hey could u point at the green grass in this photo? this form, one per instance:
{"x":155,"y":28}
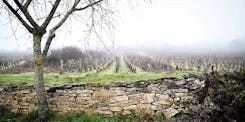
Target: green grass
{"x":68,"y":78}
{"x":111,"y":69}
{"x":123,"y":66}
{"x":20,"y":79}
{"x":8,"y":116}
{"x":82,"y":117}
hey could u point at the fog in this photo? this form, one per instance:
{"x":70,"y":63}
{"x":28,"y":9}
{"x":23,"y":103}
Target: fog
{"x":160,"y":25}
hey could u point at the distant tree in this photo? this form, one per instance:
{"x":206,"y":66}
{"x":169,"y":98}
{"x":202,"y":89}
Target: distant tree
{"x":46,"y":17}
{"x":54,"y":57}
{"x":70,"y":53}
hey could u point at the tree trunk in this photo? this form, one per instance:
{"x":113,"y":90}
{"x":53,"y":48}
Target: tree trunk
{"x":61,"y":66}
{"x":43,"y":110}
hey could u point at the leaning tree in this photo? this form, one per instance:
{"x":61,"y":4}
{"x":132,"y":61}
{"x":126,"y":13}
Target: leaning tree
{"x":43,"y":18}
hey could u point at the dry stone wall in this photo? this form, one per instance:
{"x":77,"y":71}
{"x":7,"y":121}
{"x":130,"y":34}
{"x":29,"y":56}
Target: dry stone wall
{"x":168,"y":97}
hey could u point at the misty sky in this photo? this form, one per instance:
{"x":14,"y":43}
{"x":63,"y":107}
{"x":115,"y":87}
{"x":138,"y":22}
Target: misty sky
{"x":161,"y":24}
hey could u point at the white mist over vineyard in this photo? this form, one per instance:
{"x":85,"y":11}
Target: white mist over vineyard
{"x":163,"y":25}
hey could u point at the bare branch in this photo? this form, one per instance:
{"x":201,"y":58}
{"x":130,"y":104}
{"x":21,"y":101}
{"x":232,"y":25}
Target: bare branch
{"x":71,"y":11}
{"x":27,"y":3}
{"x":27,"y":26}
{"x":47,"y":45}
{"x":26,"y":13}
{"x":51,"y":14}
{"x":89,"y":5}
{"x":61,"y":22}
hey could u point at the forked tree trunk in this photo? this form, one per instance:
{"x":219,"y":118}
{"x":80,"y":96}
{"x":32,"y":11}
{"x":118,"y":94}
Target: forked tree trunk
{"x":43,"y":110}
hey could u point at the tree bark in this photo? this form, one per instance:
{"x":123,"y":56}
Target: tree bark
{"x":43,"y":110}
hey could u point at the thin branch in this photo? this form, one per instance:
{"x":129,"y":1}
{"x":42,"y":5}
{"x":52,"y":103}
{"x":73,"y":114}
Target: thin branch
{"x":71,"y":11}
{"x":27,"y":26}
{"x":62,"y":21}
{"x":26,"y":13}
{"x":14,"y":31}
{"x":51,"y":14}
{"x":27,"y":3}
{"x":89,"y":5}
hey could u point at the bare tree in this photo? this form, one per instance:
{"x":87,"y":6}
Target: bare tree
{"x":43,"y":18}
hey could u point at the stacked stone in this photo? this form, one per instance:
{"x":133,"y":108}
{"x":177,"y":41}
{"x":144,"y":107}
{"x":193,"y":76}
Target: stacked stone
{"x":168,"y":97}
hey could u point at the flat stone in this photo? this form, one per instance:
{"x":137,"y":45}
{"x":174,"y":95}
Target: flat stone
{"x":113,"y":89}
{"x":134,"y":90}
{"x":143,"y":109}
{"x":164,"y":100}
{"x":118,"y":99}
{"x":148,"y":98}
{"x":115,"y":109}
{"x":84,"y":95}
{"x":181,"y":82}
{"x":83,"y":91}
{"x":61,"y":98}
{"x":119,"y":104}
{"x":184,"y":98}
{"x":177,"y":99}
{"x":117,"y":93}
{"x":135,"y":98}
{"x":81,"y":101}
{"x":105,"y":112}
{"x":179,"y":90}
{"x":102,"y":95}
{"x":156,"y":107}
{"x":72,"y":95}
{"x":131,"y":107}
{"x":180,"y":95}
{"x":153,"y":87}
{"x":169,"y":113}
{"x":25,"y":91}
{"x":125,"y":112}
{"x":103,"y":108}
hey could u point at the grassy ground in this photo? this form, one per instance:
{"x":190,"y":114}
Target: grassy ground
{"x":67,"y":78}
{"x":106,"y":76}
{"x":7,"y":116}
{"x":82,"y":117}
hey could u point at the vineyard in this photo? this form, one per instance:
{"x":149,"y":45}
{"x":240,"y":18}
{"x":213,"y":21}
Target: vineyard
{"x":72,"y":65}
{"x":118,"y":83}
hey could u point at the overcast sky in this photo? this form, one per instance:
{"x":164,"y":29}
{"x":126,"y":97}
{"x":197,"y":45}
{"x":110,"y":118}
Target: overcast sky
{"x":162,"y":24}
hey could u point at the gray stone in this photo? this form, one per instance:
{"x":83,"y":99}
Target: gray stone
{"x":179,"y":90}
{"x":195,"y":108}
{"x":197,"y":84}
{"x":180,"y":82}
{"x":2,"y":90}
{"x":163,"y":99}
{"x":83,"y":91}
{"x":169,"y":113}
{"x":117,"y":93}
